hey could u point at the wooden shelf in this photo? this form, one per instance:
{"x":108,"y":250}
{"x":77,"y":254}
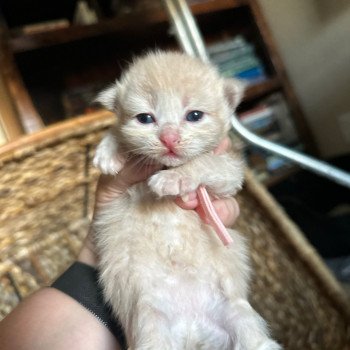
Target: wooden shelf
{"x":25,"y":42}
{"x":211,"y":6}
{"x":262,"y":89}
{"x":21,"y":102}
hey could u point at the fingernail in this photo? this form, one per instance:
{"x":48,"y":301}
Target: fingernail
{"x":185,"y":198}
{"x":190,"y":196}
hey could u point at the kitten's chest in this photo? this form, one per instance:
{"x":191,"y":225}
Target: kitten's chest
{"x":176,"y":235}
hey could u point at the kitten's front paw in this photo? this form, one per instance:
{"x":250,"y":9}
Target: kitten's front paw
{"x":107,"y":163}
{"x":106,"y":157}
{"x":269,"y":345}
{"x":171,"y":183}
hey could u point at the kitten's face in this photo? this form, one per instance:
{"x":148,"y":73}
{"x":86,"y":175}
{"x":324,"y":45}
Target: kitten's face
{"x":172,"y":108}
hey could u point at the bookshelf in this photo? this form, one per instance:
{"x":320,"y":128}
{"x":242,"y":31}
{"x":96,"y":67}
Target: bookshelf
{"x":45,"y":71}
{"x":24,"y":42}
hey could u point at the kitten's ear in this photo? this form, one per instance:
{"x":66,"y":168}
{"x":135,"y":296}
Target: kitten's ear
{"x":234,"y":91}
{"x":109,"y":97}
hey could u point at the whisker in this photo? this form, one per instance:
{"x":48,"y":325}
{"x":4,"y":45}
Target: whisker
{"x":143,"y":163}
{"x":148,"y":148}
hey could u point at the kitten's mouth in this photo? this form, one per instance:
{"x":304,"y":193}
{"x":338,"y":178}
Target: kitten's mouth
{"x":171,"y":154}
{"x":171,"y":158}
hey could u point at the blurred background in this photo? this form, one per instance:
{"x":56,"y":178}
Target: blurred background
{"x":55,"y":56}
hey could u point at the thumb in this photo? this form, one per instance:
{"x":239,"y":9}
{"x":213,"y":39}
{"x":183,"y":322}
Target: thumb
{"x":137,"y":170}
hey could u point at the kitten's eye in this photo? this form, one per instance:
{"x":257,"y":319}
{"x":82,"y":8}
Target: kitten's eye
{"x":145,"y":118}
{"x":194,"y":116}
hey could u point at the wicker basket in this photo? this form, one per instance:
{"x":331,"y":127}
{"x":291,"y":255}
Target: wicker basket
{"x":46,"y":191}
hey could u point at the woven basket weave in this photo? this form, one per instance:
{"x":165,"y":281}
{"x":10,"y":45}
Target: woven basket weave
{"x":46,"y":192}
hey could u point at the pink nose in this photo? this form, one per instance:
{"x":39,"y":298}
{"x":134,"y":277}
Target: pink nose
{"x":169,"y":138}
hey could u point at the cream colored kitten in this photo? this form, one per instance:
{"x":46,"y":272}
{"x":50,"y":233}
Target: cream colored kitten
{"x":170,"y":280}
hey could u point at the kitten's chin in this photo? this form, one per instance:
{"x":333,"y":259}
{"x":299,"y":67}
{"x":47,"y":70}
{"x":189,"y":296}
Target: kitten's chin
{"x":171,"y":160}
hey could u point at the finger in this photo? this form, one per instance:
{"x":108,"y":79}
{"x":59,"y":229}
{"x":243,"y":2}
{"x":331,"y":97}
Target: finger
{"x":200,"y":211}
{"x":224,"y":146}
{"x":188,"y":201}
{"x":134,"y":171}
{"x":107,"y":187}
{"x":88,"y":254}
{"x":110,"y":187}
{"x":227,"y":210}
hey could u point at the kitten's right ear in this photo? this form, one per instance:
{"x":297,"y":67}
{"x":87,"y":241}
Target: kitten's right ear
{"x":234,"y":91}
{"x":108,"y":97}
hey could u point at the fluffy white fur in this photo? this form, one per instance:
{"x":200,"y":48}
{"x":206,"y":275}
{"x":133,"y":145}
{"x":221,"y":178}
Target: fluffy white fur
{"x":170,"y":281}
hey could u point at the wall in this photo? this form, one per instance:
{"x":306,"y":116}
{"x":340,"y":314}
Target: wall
{"x":313,"y":37}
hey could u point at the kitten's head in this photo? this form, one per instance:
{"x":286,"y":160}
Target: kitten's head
{"x":171,"y":107}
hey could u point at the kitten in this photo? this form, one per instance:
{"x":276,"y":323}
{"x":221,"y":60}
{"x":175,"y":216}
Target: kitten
{"x":169,"y":279}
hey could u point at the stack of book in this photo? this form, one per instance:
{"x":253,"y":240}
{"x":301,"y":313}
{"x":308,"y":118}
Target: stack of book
{"x":270,"y":119}
{"x":237,"y":58}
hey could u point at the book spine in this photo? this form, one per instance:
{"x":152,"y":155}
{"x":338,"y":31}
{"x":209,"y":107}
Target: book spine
{"x":235,"y":43}
{"x":235,"y":54}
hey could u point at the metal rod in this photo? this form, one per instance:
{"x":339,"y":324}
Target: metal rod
{"x":306,"y":162}
{"x":179,"y":28}
{"x":192,"y":29}
{"x":189,"y":37}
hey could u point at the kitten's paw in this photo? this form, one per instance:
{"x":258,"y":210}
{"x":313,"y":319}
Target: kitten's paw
{"x":108,"y":164}
{"x":171,"y":183}
{"x":269,"y":345}
{"x":106,"y":157}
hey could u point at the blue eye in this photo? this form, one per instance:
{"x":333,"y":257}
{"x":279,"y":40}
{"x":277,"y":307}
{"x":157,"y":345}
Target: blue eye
{"x":145,"y":118}
{"x":194,"y":116}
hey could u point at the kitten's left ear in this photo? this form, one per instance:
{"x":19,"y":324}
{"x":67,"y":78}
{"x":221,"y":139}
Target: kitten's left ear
{"x":108,"y":97}
{"x":234,"y":91}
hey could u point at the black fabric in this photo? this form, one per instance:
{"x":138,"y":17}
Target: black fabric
{"x":319,"y":207}
{"x":80,"y":282}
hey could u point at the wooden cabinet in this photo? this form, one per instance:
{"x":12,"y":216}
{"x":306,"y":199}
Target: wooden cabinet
{"x":48,"y":74}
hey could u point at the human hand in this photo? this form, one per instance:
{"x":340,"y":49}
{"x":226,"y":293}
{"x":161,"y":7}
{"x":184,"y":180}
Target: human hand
{"x":226,"y":208}
{"x":109,"y":188}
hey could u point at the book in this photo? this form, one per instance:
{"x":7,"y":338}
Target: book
{"x":259,"y":111}
{"x":270,"y":119}
{"x":243,"y":64}
{"x":226,"y":56}
{"x":84,"y":14}
{"x":252,"y":76}
{"x":46,"y":26}
{"x":270,"y":116}
{"x":226,"y":45}
{"x":236,"y":57}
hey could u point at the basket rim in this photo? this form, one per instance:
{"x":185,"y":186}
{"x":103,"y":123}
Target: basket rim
{"x":25,"y":145}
